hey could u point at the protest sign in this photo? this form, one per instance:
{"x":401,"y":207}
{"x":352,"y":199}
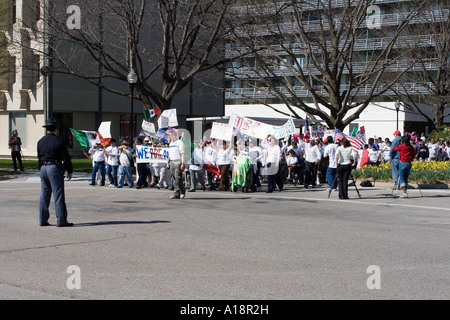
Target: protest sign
{"x":250,"y":127}
{"x":318,"y":131}
{"x":285,"y":130}
{"x":149,"y":128}
{"x":168,"y":119}
{"x":147,"y":154}
{"x":221,"y":131}
{"x":162,"y":135}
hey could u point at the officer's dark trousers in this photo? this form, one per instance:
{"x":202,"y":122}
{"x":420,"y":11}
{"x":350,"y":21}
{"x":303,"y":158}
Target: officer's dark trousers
{"x":52,"y":181}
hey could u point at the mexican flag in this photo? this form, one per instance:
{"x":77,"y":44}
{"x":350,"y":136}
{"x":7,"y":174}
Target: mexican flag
{"x":86,"y":139}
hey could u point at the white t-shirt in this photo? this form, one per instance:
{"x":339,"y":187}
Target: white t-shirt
{"x":312,"y":154}
{"x":112,"y":160}
{"x":210,"y":155}
{"x":223,"y":157}
{"x":291,"y":160}
{"x":273,"y":153}
{"x":176,"y":148}
{"x":433,"y":149}
{"x":330,"y":152}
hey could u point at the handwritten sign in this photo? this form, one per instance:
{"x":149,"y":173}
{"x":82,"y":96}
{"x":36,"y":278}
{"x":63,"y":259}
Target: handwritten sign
{"x":318,"y":131}
{"x":221,"y":131}
{"x":149,"y":128}
{"x":168,"y":119}
{"x":250,"y":127}
{"x":146,"y":154}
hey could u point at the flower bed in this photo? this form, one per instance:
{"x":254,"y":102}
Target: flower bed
{"x":421,"y":172}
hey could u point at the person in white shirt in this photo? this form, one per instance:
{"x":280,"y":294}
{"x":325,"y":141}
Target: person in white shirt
{"x":330,"y":152}
{"x":256,"y":154}
{"x":126,"y":165}
{"x":224,"y":161}
{"x":210,"y":159}
{"x":196,"y":172}
{"x":112,"y":163}
{"x":98,"y":157}
{"x":312,"y":158}
{"x":374,"y":155}
{"x":386,"y":157}
{"x":176,"y":165}
{"x":273,"y":165}
{"x":292,"y":162}
{"x":433,"y":149}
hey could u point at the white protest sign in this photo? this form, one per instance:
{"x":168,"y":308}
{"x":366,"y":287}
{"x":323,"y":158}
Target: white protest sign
{"x":250,"y":127}
{"x":221,"y":131}
{"x":105,"y":129}
{"x":149,"y":128}
{"x":147,"y":154}
{"x":285,"y":130}
{"x":168,"y":119}
{"x":318,"y":131}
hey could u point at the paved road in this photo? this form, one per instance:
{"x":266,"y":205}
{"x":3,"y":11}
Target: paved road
{"x":296,"y":244}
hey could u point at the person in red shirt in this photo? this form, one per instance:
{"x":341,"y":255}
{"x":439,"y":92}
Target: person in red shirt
{"x":407,"y":155}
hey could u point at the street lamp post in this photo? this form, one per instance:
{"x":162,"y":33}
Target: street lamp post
{"x":397,"y":108}
{"x":132,"y":79}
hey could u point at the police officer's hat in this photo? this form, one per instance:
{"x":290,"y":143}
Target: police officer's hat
{"x":51,"y":123}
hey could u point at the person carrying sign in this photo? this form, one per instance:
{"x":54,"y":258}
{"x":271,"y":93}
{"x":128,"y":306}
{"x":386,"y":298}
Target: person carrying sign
{"x":176,"y":165}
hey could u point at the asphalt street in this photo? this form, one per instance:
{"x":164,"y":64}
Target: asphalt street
{"x":291,"y":245}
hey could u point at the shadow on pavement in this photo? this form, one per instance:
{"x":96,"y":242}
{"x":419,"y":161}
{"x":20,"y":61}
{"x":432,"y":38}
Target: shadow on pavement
{"x":103,"y":223}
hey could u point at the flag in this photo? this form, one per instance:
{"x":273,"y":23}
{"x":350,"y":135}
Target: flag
{"x":362,"y":130}
{"x":151,"y":113}
{"x":86,"y":139}
{"x":355,"y":130}
{"x":211,"y":168}
{"x":306,"y":131}
{"x":356,"y":143}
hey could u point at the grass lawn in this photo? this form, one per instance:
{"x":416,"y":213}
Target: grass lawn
{"x":79,"y":165}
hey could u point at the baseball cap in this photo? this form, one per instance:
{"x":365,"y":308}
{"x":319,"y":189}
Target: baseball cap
{"x":397,"y":132}
{"x":147,"y":139}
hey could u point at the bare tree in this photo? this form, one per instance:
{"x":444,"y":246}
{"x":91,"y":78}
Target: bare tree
{"x":321,"y":57}
{"x":425,"y":90}
{"x":167,"y":43}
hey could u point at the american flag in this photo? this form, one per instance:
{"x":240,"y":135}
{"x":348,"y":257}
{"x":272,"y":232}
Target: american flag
{"x":356,"y":143}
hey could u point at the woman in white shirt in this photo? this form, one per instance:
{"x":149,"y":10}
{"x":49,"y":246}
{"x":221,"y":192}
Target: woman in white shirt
{"x":344,"y":154}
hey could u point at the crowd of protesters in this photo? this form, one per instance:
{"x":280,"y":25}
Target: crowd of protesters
{"x":218,"y":165}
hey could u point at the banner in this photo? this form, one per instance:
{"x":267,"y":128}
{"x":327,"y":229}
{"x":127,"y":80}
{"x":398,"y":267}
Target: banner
{"x":147,"y":154}
{"x":149,"y":128}
{"x":318,"y":131}
{"x":250,"y":127}
{"x":285,"y":130}
{"x":168,"y":119}
{"x":221,"y":131}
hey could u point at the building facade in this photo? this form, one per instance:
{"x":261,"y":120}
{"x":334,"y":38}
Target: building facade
{"x":30,"y":92}
{"x":272,"y":77}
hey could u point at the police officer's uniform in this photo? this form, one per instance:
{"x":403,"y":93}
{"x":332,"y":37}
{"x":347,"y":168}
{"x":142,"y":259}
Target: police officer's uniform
{"x":53,"y":159}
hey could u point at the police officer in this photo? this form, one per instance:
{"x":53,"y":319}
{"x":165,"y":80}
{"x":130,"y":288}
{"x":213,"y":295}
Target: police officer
{"x":53,"y":159}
